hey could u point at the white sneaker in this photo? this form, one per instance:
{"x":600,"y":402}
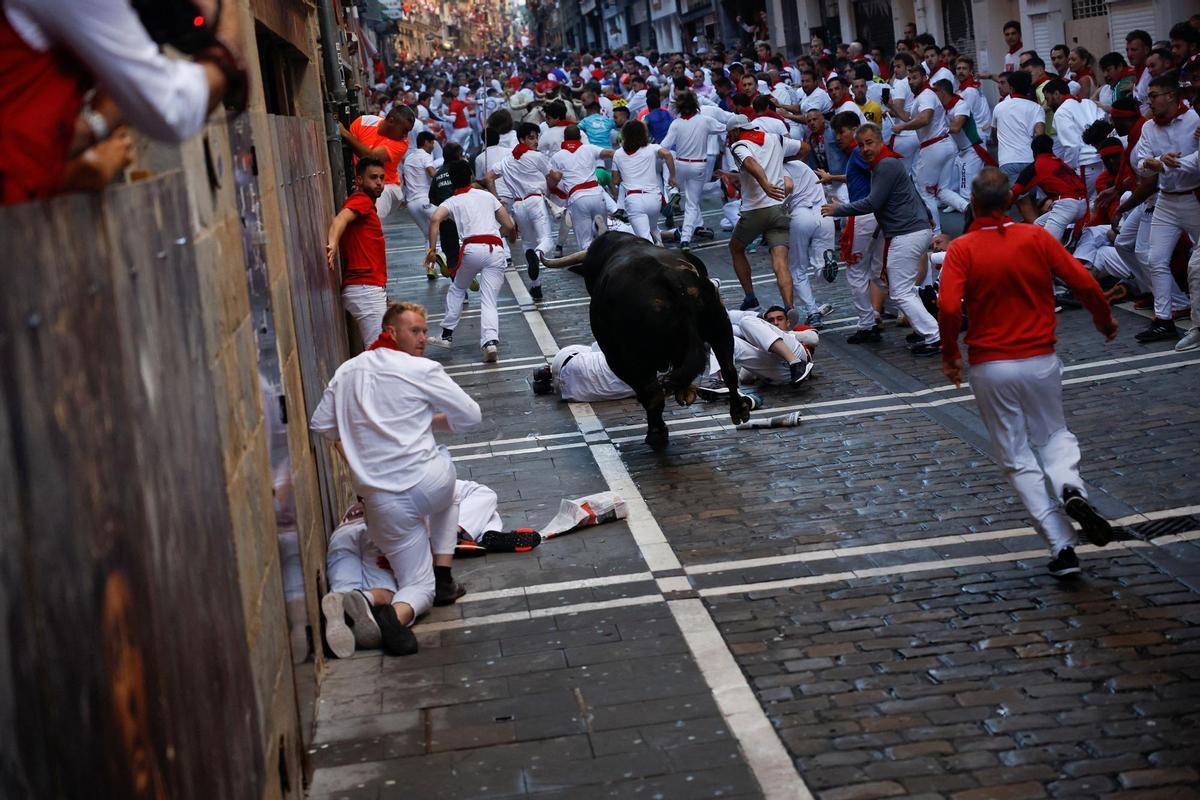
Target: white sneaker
{"x":825,"y":309}
{"x":338,"y":635}
{"x":365,"y":628}
{"x":490,"y":351}
{"x":1190,"y":341}
{"x":438,"y":341}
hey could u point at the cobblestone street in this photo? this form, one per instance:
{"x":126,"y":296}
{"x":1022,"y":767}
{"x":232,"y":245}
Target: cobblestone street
{"x":848,"y":609}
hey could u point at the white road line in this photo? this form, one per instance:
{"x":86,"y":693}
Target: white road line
{"x":561,"y":586}
{"x":768,"y":760}
{"x":538,"y":613}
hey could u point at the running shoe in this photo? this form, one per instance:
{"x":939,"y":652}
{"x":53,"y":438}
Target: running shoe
{"x":1159,"y":331}
{"x":926,"y":350}
{"x":1190,"y":341}
{"x":338,"y":635}
{"x":712,"y":388}
{"x":830,"y":271}
{"x":1095,"y":527}
{"x":447,"y":592}
{"x":522,"y":540}
{"x":475,"y":284}
{"x":444,"y":267}
{"x":491,"y":350}
{"x":535,"y":292}
{"x":815,"y":321}
{"x":865,"y":336}
{"x":532,"y":263}
{"x":1064,"y":563}
{"x":543,"y":381}
{"x":445,"y":341}
{"x":749,"y":303}
{"x":398,"y":638}
{"x":799,"y":371}
{"x":362,"y":622}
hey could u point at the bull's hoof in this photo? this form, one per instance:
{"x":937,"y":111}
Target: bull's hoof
{"x":686,"y":396}
{"x":656,"y":438}
{"x":739,"y":409}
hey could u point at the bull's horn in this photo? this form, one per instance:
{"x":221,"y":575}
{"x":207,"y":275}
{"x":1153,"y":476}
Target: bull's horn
{"x":566,"y":261}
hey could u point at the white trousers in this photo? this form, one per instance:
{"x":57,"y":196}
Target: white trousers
{"x":907,"y":145}
{"x":367,"y":305}
{"x":476,"y":509}
{"x":486,"y":261}
{"x":355,"y":563}
{"x":1020,"y":402}
{"x":584,"y":207}
{"x":1173,"y":215}
{"x":462,"y":136}
{"x":389,"y":201}
{"x":407,"y":526}
{"x":753,"y":338}
{"x":1194,"y":284}
{"x":1089,"y":173}
{"x":1094,"y":248}
{"x":1133,"y":245}
{"x":533,"y":222}
{"x":811,"y":236}
{"x":422,"y":215}
{"x":864,"y":265}
{"x":643,"y":208}
{"x":1061,"y":217}
{"x":937,"y":179}
{"x":903,"y":262}
{"x":690,"y":176}
{"x":967,"y":165}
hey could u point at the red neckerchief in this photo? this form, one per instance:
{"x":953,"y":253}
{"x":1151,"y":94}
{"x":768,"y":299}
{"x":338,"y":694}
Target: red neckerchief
{"x":1015,"y":48}
{"x":463,"y":190}
{"x":520,"y":150}
{"x":571,"y":145}
{"x":954,"y":98}
{"x":1138,"y":71}
{"x":1180,"y":110}
{"x":969,"y":82}
{"x":768,"y":113}
{"x":997,"y":221}
{"x":686,"y":116}
{"x":1125,"y":73}
{"x":757,"y":137}
{"x":853,"y":147}
{"x":560,"y":123}
{"x":1085,"y":72}
{"x":1044,"y":79}
{"x":924,"y":86}
{"x":385,"y":340}
{"x":933,"y":70}
{"x":884,"y":152}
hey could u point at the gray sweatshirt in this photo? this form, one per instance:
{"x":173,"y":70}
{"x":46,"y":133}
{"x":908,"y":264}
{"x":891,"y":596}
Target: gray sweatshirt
{"x":893,"y":200}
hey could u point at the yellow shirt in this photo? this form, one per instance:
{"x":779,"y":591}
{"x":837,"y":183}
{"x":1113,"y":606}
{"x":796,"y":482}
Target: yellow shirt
{"x":872,"y":111}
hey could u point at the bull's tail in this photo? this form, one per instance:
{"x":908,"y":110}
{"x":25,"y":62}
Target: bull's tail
{"x":690,"y":361}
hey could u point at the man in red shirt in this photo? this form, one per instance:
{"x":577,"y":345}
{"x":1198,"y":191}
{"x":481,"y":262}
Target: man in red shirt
{"x":1062,"y":185}
{"x":1005,"y":273}
{"x":384,"y":138}
{"x":358,"y":230}
{"x":461,"y":108}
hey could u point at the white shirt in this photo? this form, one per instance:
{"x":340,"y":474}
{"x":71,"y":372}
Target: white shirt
{"x":1014,"y":119}
{"x":550,"y":142}
{"x":980,"y":110}
{"x":1175,"y":137}
{"x":526,"y":175}
{"x":416,"y":178}
{"x":818,"y":99}
{"x":587,"y":377}
{"x":689,"y":137}
{"x":165,"y":98}
{"x":636,"y":102}
{"x":1071,"y":119}
{"x":476,"y":509}
{"x":474,"y":213}
{"x":807,"y":191}
{"x":944,"y":74}
{"x":380,"y":406}
{"x":783,"y":94}
{"x":927,"y":100}
{"x":716,"y":142}
{"x":849,"y":105}
{"x":489,"y":161}
{"x":771,"y":125}
{"x":576,"y":168}
{"x":769,"y":156}
{"x":639,"y":170}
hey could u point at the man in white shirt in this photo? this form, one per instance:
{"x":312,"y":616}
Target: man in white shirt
{"x":936,"y":177}
{"x":688,"y":138}
{"x":529,"y":176}
{"x":480,"y":220}
{"x":1017,"y":119}
{"x":1170,"y":132}
{"x":759,"y":157}
{"x":812,"y":95}
{"x":1072,"y":117}
{"x":381,"y":408}
{"x":934,"y":69}
{"x":577,"y":161}
{"x":812,"y":236}
{"x":419,"y":170}
{"x":972,"y":94}
{"x":904,"y":142}
{"x":841,"y":98}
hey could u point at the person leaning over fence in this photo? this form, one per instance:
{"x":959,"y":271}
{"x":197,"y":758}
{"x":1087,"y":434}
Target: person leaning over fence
{"x":358,"y":232}
{"x":381,"y":410}
{"x":52,"y":52}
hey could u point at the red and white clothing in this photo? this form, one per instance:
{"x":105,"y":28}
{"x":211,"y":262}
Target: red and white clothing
{"x":1012,"y":59}
{"x":489,"y":161}
{"x":753,"y":338}
{"x":1176,"y":208}
{"x":366,"y":130}
{"x":577,"y":161}
{"x":972,"y":155}
{"x":1005,"y":272}
{"x":1015,"y":119}
{"x":525,"y":172}
{"x":849,"y":105}
{"x":380,"y":405}
{"x":936,"y":177}
{"x":970,"y":91}
{"x":689,"y":138}
{"x":1062,"y":185}
{"x":582,"y":375}
{"x":551,"y":140}
{"x":1071,"y":119}
{"x":482,"y":254}
{"x":905,"y":143}
{"x":811,"y":233}
{"x":643,"y":188}
{"x":417,"y":164}
{"x":364,"y":278}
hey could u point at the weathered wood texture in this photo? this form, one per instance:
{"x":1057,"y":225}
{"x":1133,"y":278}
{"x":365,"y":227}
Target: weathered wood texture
{"x":127,"y":673}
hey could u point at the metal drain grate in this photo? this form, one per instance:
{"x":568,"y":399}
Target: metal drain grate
{"x":1146,"y":531}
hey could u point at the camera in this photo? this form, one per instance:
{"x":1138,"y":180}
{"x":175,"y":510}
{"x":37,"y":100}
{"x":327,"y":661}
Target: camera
{"x":178,"y":23}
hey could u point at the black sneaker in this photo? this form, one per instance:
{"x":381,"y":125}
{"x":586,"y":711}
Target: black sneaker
{"x":533,"y":264}
{"x":914,"y":338}
{"x":543,"y":381}
{"x":865,"y":336}
{"x":799,"y":371}
{"x":685,"y":247}
{"x":1160,"y":330}
{"x":704,"y":233}
{"x":749,"y":303}
{"x":398,"y":638}
{"x":1065,"y":563}
{"x":535,"y":292}
{"x":521,"y":540}
{"x":830,"y":270}
{"x":620,"y":215}
{"x":928,"y":297}
{"x":712,"y":388}
{"x":447,"y":592}
{"x":926,"y":350}
{"x":1095,"y":527}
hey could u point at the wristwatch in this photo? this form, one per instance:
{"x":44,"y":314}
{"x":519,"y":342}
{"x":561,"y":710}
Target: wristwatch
{"x":236,"y":84}
{"x":97,"y":124}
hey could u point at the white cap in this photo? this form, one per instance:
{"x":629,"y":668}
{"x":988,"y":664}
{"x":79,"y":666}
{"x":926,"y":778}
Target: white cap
{"x":738,"y":121}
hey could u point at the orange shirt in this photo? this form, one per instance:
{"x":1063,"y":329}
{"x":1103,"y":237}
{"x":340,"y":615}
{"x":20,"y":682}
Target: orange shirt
{"x":366,"y":130}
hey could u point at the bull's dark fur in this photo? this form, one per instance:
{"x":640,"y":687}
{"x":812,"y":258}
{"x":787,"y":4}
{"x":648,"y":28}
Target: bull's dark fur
{"x":654,"y":311}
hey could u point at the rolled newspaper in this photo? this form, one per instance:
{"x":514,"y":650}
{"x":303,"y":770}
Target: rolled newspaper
{"x":782,"y":421}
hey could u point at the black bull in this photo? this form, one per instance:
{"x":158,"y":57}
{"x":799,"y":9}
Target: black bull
{"x":655,"y":313}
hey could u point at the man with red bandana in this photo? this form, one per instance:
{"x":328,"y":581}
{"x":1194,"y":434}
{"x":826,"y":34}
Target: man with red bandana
{"x":1005,"y":273}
